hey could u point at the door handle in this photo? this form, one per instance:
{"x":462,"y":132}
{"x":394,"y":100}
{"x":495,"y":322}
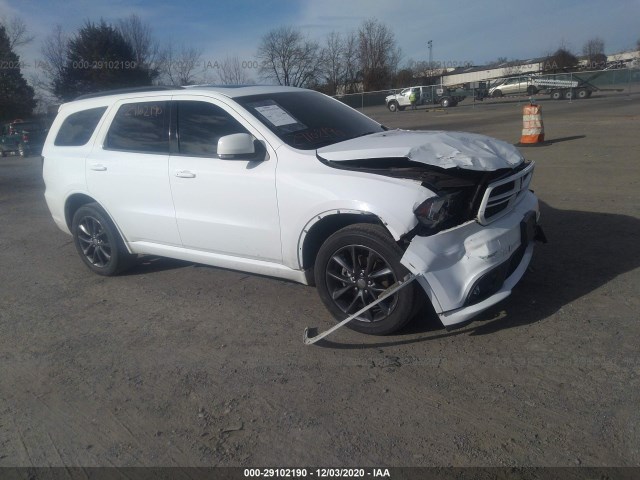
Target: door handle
{"x":98,"y":168}
{"x":185,"y":174}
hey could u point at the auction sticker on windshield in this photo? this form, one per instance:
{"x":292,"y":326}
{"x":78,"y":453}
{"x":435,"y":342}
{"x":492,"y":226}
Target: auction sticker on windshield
{"x":276,"y":115}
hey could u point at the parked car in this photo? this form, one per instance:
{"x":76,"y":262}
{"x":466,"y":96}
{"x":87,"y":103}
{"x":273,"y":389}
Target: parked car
{"x":429,"y":95}
{"x":513,"y":86}
{"x":24,"y":138}
{"x":293,"y":184}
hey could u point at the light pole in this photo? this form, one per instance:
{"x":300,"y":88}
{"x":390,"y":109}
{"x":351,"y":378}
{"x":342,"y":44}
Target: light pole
{"x":430,"y":45}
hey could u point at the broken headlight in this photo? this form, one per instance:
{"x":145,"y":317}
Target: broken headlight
{"x":442,"y":211}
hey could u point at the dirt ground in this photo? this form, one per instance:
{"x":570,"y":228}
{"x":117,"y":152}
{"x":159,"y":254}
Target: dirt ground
{"x":175,"y":364}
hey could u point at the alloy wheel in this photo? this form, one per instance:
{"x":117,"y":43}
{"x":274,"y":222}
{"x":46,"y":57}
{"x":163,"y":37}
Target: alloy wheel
{"x":94,"y":241}
{"x":356,"y":276}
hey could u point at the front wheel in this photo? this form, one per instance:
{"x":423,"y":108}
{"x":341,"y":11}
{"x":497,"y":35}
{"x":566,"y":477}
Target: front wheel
{"x":445,"y":102}
{"x":98,"y":242}
{"x":353,"y":268}
{"x":393,"y":106}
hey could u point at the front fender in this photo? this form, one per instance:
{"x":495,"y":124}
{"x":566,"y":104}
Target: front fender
{"x":396,"y":226}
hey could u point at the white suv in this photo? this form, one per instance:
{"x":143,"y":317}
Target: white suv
{"x":293,"y":184}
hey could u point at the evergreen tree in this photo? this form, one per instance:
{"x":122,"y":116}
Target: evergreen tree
{"x":16,"y":96}
{"x":99,"y":58}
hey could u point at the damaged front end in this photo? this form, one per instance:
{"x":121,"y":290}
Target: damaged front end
{"x":473,"y":239}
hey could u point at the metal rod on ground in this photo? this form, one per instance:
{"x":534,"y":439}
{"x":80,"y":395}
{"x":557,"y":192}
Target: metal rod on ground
{"x":396,"y":287}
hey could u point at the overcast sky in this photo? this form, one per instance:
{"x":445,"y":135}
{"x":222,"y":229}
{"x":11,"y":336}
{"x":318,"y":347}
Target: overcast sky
{"x":462,"y":32}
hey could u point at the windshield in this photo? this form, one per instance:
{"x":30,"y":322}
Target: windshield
{"x":308,"y":120}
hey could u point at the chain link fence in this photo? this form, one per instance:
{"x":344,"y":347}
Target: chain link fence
{"x":559,"y":86}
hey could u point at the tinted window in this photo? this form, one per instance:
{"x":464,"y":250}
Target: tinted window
{"x":140,"y":127}
{"x":200,"y":126}
{"x":77,"y":128}
{"x":308,"y":120}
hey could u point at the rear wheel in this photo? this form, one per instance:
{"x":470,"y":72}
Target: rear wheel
{"x":556,"y":94}
{"x":98,"y":242}
{"x":582,"y":93}
{"x":353,"y":267}
{"x":569,"y":94}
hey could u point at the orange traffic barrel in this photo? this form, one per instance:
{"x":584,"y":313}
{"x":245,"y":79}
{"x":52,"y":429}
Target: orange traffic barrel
{"x":532,"y":127}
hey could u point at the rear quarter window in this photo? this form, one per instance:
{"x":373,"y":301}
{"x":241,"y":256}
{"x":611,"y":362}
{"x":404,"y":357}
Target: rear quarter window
{"x":77,"y":128}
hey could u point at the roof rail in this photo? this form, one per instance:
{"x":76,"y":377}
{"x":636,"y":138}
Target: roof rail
{"x":155,"y":88}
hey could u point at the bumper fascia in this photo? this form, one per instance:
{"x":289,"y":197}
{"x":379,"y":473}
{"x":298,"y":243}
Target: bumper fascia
{"x":451,"y":262}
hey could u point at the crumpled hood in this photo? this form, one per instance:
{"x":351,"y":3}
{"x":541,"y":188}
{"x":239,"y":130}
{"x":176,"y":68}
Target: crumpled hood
{"x":441,"y":149}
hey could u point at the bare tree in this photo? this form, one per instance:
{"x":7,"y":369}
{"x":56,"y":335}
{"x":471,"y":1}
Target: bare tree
{"x":423,"y":72}
{"x":16,"y":30}
{"x":139,"y":35}
{"x":404,"y":78}
{"x":179,"y":67}
{"x":333,"y":62}
{"x":594,"y":51}
{"x":561,"y":60}
{"x":289,"y":58}
{"x":232,"y":72}
{"x":352,"y":72}
{"x":379,"y":54}
{"x":499,"y":61}
{"x":54,"y":49}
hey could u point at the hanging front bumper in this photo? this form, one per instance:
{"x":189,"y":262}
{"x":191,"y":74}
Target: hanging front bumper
{"x":469,"y":268}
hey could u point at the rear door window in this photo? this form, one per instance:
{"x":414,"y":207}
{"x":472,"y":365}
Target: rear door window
{"x":140,"y":127}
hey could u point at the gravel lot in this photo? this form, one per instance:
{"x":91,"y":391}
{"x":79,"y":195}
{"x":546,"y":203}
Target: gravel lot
{"x":182,"y":364}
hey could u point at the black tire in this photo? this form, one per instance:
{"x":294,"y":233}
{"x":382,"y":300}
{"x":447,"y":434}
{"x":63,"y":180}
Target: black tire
{"x":353,"y":267}
{"x":532,"y":90}
{"x":393,"y":106}
{"x":497,"y":94}
{"x":446,"y":102}
{"x":556,"y":95}
{"x":98,"y":242}
{"x":582,"y":93}
{"x":569,"y":94}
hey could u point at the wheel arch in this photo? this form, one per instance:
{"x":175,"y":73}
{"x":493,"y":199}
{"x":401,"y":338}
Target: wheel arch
{"x":73,"y":203}
{"x":77,"y":200}
{"x":322,"y":226}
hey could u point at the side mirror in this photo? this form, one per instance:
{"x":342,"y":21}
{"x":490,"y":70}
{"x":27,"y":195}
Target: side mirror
{"x":237,"y":146}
